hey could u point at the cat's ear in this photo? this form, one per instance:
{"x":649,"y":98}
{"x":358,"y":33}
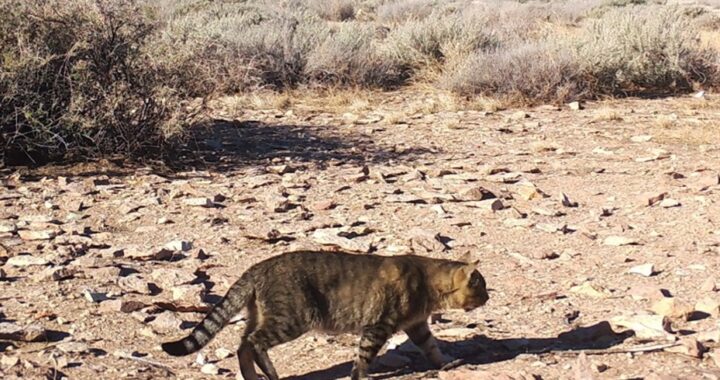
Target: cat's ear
{"x":468,"y":269}
{"x":468,"y":257}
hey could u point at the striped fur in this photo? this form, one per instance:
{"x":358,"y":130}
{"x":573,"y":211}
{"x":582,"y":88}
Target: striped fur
{"x":375,"y":296}
{"x":230,"y":305}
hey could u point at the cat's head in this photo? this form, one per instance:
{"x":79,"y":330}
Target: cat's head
{"x":469,"y":288}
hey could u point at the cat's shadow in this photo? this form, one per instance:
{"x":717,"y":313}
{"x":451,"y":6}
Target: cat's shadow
{"x":481,"y":349}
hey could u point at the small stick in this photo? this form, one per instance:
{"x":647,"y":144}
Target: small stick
{"x":650,"y":348}
{"x":123,"y":355}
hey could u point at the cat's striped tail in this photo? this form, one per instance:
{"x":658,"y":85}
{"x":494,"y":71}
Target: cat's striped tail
{"x":234,"y":301}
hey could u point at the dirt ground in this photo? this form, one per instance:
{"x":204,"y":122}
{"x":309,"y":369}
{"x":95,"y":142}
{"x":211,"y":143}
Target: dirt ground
{"x":102,"y":262}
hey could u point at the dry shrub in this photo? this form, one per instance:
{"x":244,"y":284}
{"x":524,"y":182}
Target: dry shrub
{"x":636,"y":50}
{"x":525,"y":73}
{"x":75,"y":78}
{"x":333,"y":10}
{"x":404,"y":10}
{"x":243,"y":47}
{"x":350,"y":56}
{"x":440,"y":36}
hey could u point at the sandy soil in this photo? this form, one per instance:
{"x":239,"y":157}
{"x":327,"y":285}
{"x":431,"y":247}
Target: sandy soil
{"x":639,"y":178}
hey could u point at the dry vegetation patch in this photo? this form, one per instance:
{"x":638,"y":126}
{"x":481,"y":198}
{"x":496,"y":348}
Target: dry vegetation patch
{"x":116,"y":77}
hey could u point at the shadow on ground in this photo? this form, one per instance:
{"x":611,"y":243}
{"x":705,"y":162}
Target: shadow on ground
{"x":226,"y":145}
{"x":481,"y":350}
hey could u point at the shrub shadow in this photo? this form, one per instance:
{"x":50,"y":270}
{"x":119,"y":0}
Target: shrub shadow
{"x":481,"y":349}
{"x":227,"y":145}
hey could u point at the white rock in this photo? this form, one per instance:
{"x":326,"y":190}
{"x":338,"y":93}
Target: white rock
{"x":669,"y":202}
{"x":575,"y":106}
{"x":641,"y":138}
{"x":94,"y":297}
{"x":223,"y":353}
{"x":179,"y":245}
{"x":329,"y":236}
{"x":199,"y":202}
{"x":618,"y":241}
{"x":210,"y":369}
{"x":646,"y":270}
{"x":7,"y":227}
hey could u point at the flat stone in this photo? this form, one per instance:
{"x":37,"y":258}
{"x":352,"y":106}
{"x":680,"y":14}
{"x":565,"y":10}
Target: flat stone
{"x":223,"y":353}
{"x":189,"y":294}
{"x":529,"y":191}
{"x":121,"y":306}
{"x":645,"y":270}
{"x":94,"y":297}
{"x":619,"y":241}
{"x":646,"y":292}
{"x":710,"y":336}
{"x":210,"y":369}
{"x":30,"y":333}
{"x":7,"y":227}
{"x":73,"y":347}
{"x":169,"y":277}
{"x":587,"y":289}
{"x":519,"y":115}
{"x":641,"y":138}
{"x":708,"y":305}
{"x":37,"y":234}
{"x":524,"y":223}
{"x":669,"y":203}
{"x":475,"y":193}
{"x":487,"y":205}
{"x":178,"y":245}
{"x":157,"y":254}
{"x":165,"y":322}
{"x":56,"y":274}
{"x":709,"y":285}
{"x":26,"y":261}
{"x":645,"y":326}
{"x":673,"y":308}
{"x":688,"y":346}
{"x":8,"y":361}
{"x":329,"y":236}
{"x":134,"y":283}
{"x":424,"y":241}
{"x":199,"y":202}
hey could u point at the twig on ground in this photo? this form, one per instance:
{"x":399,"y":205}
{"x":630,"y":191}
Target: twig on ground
{"x":124,"y":355}
{"x":602,"y":351}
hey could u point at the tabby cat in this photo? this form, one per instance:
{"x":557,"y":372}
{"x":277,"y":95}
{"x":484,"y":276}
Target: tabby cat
{"x":375,"y":296}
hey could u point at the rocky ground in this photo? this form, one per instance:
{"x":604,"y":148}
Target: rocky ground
{"x":598,"y":231}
